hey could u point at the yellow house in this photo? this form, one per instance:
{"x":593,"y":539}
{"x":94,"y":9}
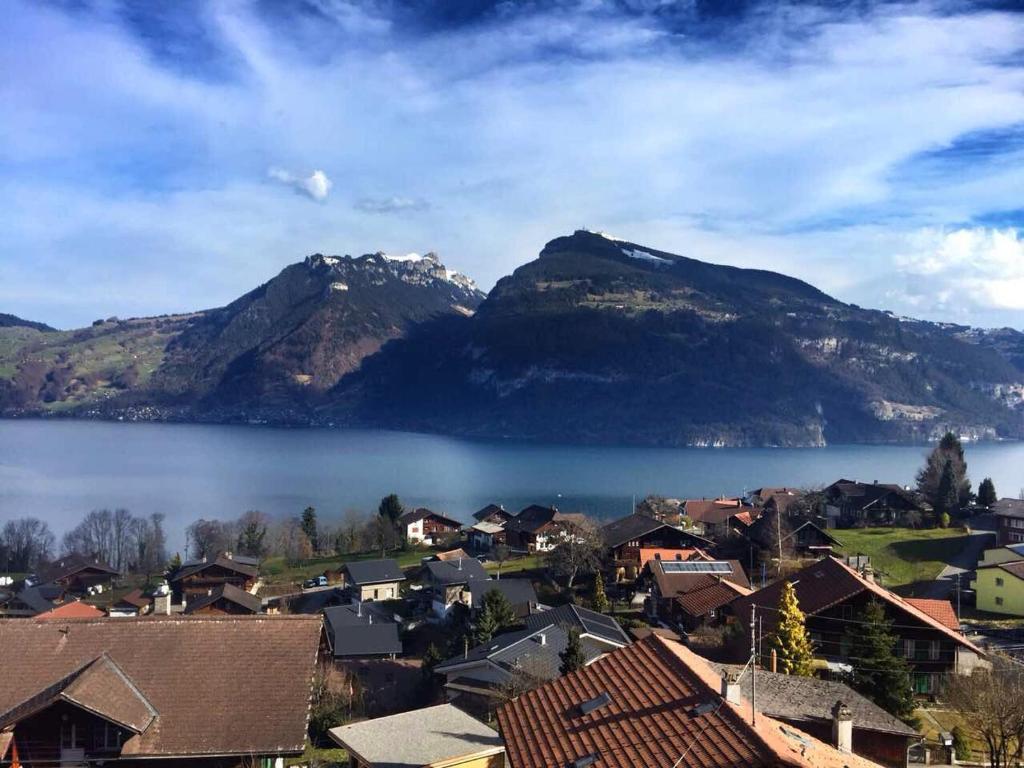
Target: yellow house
{"x":433,"y":737}
{"x":999,"y":587}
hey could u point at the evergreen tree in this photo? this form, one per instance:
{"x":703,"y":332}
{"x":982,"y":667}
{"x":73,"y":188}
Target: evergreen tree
{"x":573,"y":658}
{"x":879,"y":672}
{"x":987,"y":492}
{"x":929,"y":478}
{"x":946,"y":497}
{"x":486,"y":627}
{"x":252,"y":535}
{"x":431,"y":658}
{"x":600,"y":598}
{"x":309,"y":525}
{"x":791,"y":642}
{"x":173,"y":564}
{"x":500,"y":608}
{"x":391,"y":509}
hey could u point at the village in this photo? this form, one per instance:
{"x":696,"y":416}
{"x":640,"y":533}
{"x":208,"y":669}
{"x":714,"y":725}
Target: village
{"x":693,"y":632}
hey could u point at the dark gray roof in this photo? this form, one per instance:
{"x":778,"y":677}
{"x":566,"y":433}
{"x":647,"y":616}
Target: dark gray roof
{"x":627,"y":528}
{"x":351,"y":632}
{"x":587,"y":621}
{"x":789,"y":697}
{"x":523,"y":650}
{"x":72,"y":564}
{"x":422,"y":512}
{"x":516,"y":591}
{"x":1009,"y":508}
{"x":446,"y":572}
{"x":491,"y":509}
{"x":244,"y":566}
{"x":40,"y":598}
{"x":373,"y":571}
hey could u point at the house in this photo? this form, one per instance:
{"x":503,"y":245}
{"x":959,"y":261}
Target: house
{"x":808,"y":703}
{"x":196,"y":578}
{"x":373,"y":579}
{"x":690,"y":593}
{"x":519,"y":592}
{"x":485,"y":536}
{"x":73,"y":609}
{"x":449,"y":582}
{"x":539,"y":529}
{"x":203,"y":692}
{"x":626,"y":536}
{"x":423,"y":526}
{"x":678,"y":713}
{"x":999,"y":588}
{"x":1009,"y":514}
{"x":831,"y":594}
{"x":848,"y":502}
{"x":803,"y":538}
{"x":714,"y":517}
{"x":493,"y":513}
{"x":483,"y":677}
{"x":780,"y":499}
{"x":1006,"y":553}
{"x":602,"y":631}
{"x":31,"y":601}
{"x":441,"y":736}
{"x":77,"y":574}
{"x":225,"y":600}
{"x":357,"y":632}
{"x":135,"y":603}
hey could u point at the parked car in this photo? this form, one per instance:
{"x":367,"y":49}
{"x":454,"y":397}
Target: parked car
{"x":316,"y":581}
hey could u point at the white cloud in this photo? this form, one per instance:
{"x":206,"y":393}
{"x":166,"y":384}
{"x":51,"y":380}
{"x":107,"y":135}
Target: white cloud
{"x":317,"y":186}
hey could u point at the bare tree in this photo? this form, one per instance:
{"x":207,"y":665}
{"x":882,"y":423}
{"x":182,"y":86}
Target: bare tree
{"x":208,"y":538}
{"x":27,"y":543}
{"x":578,"y":551}
{"x":991,"y":704}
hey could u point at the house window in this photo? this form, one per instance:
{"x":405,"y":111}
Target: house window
{"x":924,"y":683}
{"x":107,"y":737}
{"x":999,"y":601}
{"x":999,"y":581}
{"x":69,"y":736}
{"x":908,"y":649}
{"x":933,"y":650}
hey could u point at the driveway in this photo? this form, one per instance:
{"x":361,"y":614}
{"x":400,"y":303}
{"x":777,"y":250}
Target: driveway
{"x":982,"y":537}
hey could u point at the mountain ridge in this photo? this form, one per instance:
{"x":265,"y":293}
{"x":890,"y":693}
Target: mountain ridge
{"x":597,"y":340}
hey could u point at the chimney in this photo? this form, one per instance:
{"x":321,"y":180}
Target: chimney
{"x":842,"y":728}
{"x":731,"y":686}
{"x":162,"y":605}
{"x":775,"y":661}
{"x":542,"y":639}
{"x":228,"y":556}
{"x":460,"y":563}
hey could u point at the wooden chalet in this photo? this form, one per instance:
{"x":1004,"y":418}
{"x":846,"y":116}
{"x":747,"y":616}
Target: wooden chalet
{"x":424,"y":526}
{"x":197,"y":578}
{"x":627,"y":538}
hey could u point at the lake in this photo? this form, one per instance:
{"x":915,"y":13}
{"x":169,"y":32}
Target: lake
{"x":59,"y":470}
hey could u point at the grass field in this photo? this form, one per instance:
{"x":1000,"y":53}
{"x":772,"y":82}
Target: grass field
{"x":903,"y":555}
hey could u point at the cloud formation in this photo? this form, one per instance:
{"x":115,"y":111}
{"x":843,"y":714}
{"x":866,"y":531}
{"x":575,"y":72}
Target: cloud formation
{"x":846,"y":145}
{"x":316,"y":186}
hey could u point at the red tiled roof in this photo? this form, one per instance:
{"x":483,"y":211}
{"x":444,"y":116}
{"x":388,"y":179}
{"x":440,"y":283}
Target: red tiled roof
{"x":830,"y":582}
{"x":940,"y":610}
{"x":75,"y":609}
{"x":712,"y":510}
{"x":218,"y":685}
{"x":650,"y":719}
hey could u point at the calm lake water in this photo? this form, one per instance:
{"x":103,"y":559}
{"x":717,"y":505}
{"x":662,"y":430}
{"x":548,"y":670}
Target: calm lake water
{"x":59,"y":470}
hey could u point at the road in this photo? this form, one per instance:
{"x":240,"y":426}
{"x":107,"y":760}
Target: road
{"x":982,"y":537}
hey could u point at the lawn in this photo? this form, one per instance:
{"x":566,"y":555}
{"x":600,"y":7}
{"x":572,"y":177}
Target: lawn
{"x":903,"y":555}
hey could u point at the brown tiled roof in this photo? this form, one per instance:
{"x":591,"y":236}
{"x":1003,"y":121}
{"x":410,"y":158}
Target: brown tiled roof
{"x":218,"y":685}
{"x":1015,"y":568}
{"x":452,"y":554}
{"x":830,"y":582}
{"x":671,"y":584}
{"x":940,"y":610}
{"x":228,"y":592}
{"x":70,"y":565}
{"x":136,"y":598}
{"x":221,"y":560}
{"x":700,"y":601}
{"x":422,"y":512}
{"x":75,"y":609}
{"x":712,"y":510}
{"x":103,"y":688}
{"x":663,"y":709}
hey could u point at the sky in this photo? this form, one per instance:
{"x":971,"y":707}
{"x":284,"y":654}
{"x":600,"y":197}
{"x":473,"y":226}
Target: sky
{"x":166,"y":157}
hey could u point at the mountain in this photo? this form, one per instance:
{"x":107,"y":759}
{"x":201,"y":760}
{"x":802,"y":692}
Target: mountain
{"x":271,"y":353}
{"x":603,"y":340}
{"x":13,"y":321}
{"x":597,"y":340}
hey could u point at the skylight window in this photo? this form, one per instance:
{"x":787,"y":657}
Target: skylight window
{"x":595,"y":703}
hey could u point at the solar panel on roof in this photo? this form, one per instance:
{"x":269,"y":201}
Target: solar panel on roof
{"x":696,"y":566}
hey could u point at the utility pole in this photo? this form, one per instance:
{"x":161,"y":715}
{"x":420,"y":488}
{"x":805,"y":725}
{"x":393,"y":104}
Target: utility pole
{"x":753,"y":665}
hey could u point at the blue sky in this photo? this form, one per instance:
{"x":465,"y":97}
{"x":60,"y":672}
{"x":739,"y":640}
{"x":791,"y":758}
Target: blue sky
{"x":162,"y":157}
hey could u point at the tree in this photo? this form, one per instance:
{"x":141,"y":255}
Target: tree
{"x":308,"y":525}
{"x":879,"y":672}
{"x":578,"y":551}
{"x":946,"y":497}
{"x":350,"y":535}
{"x":486,"y":627}
{"x":173,"y":565}
{"x":573,"y":658}
{"x":600,"y":598}
{"x":252,"y":534}
{"x":27,"y":544}
{"x":500,"y":608}
{"x":500,"y":554}
{"x":208,"y":538}
{"x":790,"y":640}
{"x":390,"y":508}
{"x":383,"y":534}
{"x":930,"y":476}
{"x":987,"y":493}
{"x":990,"y":703}
{"x":772,"y":534}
